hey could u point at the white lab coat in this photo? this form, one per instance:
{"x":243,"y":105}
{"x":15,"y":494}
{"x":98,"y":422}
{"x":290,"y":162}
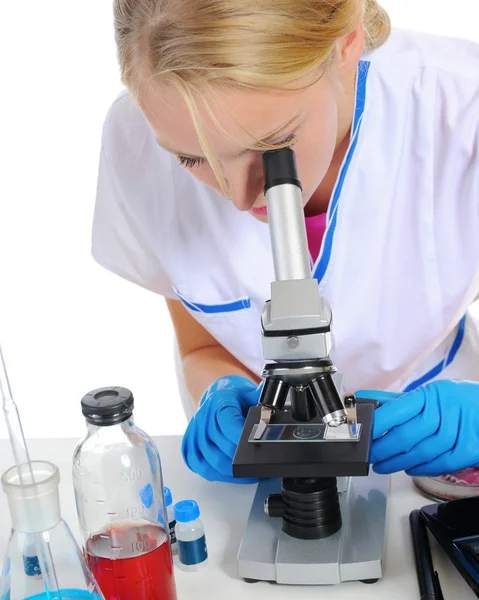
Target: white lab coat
{"x":399,"y":262}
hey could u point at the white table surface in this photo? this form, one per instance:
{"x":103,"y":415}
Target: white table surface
{"x":225,"y":508}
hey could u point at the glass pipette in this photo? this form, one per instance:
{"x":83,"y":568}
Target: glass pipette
{"x":25,"y":473}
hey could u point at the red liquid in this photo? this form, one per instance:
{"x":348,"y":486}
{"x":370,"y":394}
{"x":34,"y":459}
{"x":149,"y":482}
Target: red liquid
{"x":132,"y":575}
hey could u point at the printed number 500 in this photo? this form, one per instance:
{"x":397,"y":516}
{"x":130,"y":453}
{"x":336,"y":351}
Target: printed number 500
{"x":132,"y":475}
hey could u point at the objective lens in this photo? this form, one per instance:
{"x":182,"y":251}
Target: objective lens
{"x":328,"y":401}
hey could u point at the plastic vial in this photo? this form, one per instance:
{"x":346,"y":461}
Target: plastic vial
{"x":31,"y":563}
{"x":171,"y":519}
{"x":190,"y":536}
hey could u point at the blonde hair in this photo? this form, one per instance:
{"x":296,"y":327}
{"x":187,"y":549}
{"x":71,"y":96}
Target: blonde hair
{"x":194,"y":44}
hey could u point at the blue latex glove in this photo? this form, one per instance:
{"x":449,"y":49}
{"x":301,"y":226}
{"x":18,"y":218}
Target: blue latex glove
{"x":212,"y":435}
{"x":431,"y":431}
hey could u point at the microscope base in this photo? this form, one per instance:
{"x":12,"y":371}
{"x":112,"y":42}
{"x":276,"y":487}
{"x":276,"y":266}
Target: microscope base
{"x":354,"y":553}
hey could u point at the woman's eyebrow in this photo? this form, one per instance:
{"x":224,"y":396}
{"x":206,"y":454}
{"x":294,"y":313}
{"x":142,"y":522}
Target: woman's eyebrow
{"x":265,"y":140}
{"x":272,"y":137}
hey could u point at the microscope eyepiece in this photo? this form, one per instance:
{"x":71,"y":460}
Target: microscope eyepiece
{"x":279,"y":167}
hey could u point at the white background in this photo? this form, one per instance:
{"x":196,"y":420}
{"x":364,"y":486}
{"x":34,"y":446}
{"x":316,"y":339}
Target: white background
{"x":66,"y":325}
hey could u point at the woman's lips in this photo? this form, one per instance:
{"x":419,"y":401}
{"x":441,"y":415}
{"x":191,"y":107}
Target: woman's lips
{"x":262,"y":210}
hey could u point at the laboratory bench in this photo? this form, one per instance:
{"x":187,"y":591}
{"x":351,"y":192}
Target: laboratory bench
{"x":225,"y":509}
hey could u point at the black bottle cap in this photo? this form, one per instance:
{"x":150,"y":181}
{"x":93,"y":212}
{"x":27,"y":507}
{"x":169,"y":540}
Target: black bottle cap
{"x":107,"y":406}
{"x":279,"y":167}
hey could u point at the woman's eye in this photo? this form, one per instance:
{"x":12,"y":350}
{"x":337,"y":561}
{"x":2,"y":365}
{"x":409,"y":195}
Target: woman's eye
{"x":189,"y":163}
{"x":291,"y":138}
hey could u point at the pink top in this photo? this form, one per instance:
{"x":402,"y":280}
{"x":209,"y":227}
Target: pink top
{"x":315,"y":228}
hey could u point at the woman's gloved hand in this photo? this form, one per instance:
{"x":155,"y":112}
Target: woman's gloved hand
{"x":212,"y":435}
{"x":431,"y":431}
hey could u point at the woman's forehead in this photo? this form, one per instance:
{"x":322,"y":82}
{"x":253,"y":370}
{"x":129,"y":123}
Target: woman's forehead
{"x":238,"y":115}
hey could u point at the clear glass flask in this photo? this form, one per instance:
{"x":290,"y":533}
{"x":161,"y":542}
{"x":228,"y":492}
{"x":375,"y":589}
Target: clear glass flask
{"x":120,"y":501}
{"x":37,"y":526}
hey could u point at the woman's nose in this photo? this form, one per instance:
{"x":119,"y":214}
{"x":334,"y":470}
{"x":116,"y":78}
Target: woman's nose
{"x":245,"y":186}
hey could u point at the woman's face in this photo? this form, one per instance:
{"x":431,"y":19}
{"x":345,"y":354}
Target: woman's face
{"x":310,"y":115}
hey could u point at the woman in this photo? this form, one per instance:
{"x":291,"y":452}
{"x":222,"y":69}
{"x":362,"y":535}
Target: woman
{"x":385,"y":130}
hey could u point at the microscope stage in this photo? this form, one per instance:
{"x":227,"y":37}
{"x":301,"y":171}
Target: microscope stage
{"x":264,"y":459}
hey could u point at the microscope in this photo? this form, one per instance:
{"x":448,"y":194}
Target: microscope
{"x":318,"y":516}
